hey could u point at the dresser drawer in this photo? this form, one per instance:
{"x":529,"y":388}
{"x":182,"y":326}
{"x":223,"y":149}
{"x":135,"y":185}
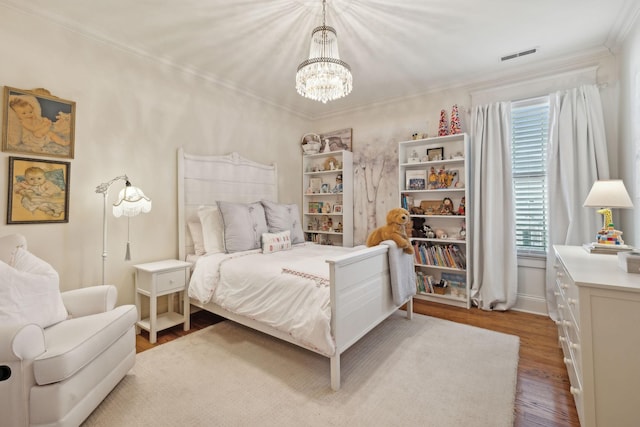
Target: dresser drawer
{"x":170,"y":280}
{"x":569,"y":292}
{"x":575,"y":380}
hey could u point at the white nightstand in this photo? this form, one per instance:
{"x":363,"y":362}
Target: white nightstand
{"x":159,"y":278}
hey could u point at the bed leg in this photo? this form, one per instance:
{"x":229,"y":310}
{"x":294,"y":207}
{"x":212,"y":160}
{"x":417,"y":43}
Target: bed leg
{"x":410,"y":309}
{"x":335,"y":372}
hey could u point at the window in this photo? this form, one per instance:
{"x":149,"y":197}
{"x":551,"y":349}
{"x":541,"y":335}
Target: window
{"x":530,"y":135}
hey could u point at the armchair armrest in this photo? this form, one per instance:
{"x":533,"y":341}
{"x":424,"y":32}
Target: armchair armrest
{"x":91,"y":300}
{"x":21,"y":342}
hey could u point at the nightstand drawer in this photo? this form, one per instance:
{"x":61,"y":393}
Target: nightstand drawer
{"x":169,"y":281}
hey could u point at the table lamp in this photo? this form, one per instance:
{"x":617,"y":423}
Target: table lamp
{"x":608,"y":194}
{"x":131,"y":202}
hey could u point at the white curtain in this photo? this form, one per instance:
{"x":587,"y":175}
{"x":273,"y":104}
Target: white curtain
{"x":495,"y":264}
{"x":577,"y":157}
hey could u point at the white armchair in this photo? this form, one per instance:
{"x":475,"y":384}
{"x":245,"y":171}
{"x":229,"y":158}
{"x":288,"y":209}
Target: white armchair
{"x":56,"y":376}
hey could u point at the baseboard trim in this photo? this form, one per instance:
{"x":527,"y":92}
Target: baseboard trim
{"x":531,"y":304}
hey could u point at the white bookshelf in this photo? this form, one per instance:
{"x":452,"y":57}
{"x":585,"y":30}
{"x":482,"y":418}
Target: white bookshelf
{"x":416,"y":158}
{"x":328,"y":208}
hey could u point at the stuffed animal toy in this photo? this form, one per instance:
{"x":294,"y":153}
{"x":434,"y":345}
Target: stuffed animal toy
{"x":418,"y":227}
{"x":397,"y":219}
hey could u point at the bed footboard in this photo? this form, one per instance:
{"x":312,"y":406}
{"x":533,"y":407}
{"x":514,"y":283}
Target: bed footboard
{"x":360,"y":299}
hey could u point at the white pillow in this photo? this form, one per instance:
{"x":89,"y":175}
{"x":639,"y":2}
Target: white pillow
{"x":244,"y":224}
{"x":212,"y":229}
{"x":274,"y":242}
{"x":195,"y":229}
{"x":30,"y":292}
{"x":282,"y":217}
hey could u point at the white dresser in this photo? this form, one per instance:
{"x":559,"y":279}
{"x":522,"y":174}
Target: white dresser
{"x":599,"y":331}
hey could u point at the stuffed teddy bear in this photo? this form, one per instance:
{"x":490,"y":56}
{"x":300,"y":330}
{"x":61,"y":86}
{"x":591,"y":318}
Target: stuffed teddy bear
{"x":397,"y":219}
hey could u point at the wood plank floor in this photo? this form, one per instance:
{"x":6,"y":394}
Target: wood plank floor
{"x":542,"y":397}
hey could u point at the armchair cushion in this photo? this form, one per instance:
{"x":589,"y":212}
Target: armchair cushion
{"x":29,"y":292}
{"x":74,"y":343}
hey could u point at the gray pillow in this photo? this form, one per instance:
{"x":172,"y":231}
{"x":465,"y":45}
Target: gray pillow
{"x":244,"y":224}
{"x":281,"y":217}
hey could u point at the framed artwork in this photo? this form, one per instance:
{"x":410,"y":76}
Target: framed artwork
{"x":38,"y":191}
{"x":435,"y":154}
{"x":315,"y":184}
{"x":337,"y":208}
{"x":337,"y":140}
{"x":37,"y":123}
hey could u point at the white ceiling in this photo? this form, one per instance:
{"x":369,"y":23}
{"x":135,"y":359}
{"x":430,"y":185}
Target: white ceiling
{"x":395,"y":48}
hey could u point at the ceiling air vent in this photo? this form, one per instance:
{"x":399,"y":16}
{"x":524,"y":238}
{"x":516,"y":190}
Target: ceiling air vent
{"x":519,"y":54}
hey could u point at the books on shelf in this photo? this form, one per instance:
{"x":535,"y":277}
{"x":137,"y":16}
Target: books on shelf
{"x":599,"y":248}
{"x":416,"y":179}
{"x":440,"y":255}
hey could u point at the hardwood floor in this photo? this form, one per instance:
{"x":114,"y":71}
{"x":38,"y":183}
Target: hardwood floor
{"x":542,"y":396}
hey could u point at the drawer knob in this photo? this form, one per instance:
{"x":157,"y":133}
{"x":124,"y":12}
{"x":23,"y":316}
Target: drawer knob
{"x":564,"y":286}
{"x":568,"y":361}
{"x":560,"y":306}
{"x":574,"y":390}
{"x":562,"y":339}
{"x":567,"y":323}
{"x":572,"y":301}
{"x":574,"y":346}
{"x":556,"y":293}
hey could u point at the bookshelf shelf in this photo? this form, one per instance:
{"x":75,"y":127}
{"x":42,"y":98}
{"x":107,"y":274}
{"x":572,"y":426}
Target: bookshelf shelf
{"x":436,"y":193}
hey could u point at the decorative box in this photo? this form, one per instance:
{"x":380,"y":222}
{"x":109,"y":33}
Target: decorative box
{"x":629,"y":261}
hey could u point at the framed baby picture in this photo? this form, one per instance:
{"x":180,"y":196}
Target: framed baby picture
{"x":38,"y":191}
{"x":37,"y":123}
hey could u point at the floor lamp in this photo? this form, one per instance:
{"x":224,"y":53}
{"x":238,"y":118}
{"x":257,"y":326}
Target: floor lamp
{"x":131,"y":202}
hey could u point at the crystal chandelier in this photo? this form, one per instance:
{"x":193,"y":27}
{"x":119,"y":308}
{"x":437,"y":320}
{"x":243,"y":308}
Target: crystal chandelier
{"x":324,"y":77}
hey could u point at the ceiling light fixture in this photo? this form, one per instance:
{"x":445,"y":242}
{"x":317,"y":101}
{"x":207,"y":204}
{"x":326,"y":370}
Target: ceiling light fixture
{"x":324,"y":77}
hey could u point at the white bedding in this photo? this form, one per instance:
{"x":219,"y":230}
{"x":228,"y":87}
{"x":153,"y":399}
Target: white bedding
{"x":288,"y":290}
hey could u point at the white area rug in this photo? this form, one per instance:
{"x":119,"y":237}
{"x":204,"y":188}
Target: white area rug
{"x":424,"y":372}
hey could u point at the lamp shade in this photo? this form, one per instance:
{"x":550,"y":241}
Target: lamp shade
{"x":609,"y":193}
{"x":131,"y":202}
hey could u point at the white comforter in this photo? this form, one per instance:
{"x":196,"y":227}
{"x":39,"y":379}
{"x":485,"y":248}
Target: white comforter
{"x":288,"y":290}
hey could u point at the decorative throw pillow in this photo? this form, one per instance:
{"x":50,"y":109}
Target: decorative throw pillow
{"x":274,"y":242}
{"x":282,"y":217}
{"x":212,"y":229}
{"x":244,"y":224}
{"x":195,"y":229}
{"x":29,"y":292}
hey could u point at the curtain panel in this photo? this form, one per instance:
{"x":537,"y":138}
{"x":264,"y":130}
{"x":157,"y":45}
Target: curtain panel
{"x":577,"y":157}
{"x":494,"y":267}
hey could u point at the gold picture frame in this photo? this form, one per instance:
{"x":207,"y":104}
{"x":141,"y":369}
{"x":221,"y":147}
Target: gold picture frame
{"x":38,"y":191}
{"x":37,"y":123}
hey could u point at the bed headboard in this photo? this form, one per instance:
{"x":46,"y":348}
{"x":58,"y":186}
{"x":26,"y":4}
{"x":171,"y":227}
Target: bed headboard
{"x":204,"y":180}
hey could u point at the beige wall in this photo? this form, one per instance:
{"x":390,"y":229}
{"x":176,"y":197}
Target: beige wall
{"x":629,"y":135}
{"x":132,"y":115}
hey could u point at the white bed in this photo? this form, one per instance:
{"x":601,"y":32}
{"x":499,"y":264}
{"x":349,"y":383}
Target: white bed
{"x":357,"y":279}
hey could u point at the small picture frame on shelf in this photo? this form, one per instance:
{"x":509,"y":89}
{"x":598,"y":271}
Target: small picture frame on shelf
{"x":337,"y":208}
{"x":435,"y":154}
{"x":315,"y":184}
{"x":416,"y":179}
{"x":324,"y":188}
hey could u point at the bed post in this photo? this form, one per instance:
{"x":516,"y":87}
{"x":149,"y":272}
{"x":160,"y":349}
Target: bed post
{"x":335,"y":372}
{"x":410,"y":308}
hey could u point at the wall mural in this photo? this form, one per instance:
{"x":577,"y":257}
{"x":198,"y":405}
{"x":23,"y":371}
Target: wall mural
{"x":375,"y":174}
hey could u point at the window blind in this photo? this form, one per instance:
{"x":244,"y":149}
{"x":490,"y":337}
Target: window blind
{"x":530,"y":135}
